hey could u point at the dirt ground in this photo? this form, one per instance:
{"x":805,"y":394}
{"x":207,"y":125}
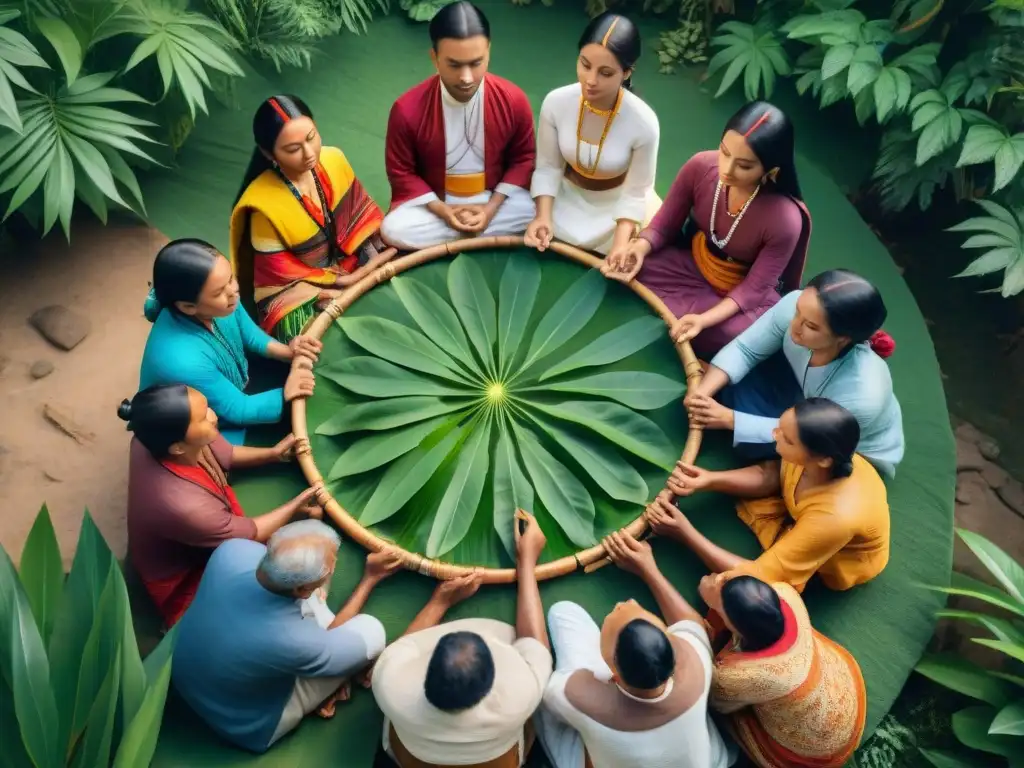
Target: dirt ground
{"x":103,"y":275}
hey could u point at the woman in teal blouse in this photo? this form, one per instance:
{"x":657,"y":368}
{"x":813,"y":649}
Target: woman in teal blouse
{"x":823,"y":341}
{"x":202,"y":335}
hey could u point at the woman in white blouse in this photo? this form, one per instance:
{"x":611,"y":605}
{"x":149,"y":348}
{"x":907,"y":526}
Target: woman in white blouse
{"x":597,"y":148}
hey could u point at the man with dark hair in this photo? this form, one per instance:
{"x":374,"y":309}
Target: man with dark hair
{"x":461,"y":693}
{"x":634,"y":692}
{"x":460,"y":149}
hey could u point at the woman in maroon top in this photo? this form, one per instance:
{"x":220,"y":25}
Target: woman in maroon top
{"x":731,"y":235}
{"x":180,"y":505}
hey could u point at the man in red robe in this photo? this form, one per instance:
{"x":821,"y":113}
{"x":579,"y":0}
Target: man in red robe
{"x":460,"y":148}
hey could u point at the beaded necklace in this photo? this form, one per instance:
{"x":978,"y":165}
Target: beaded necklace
{"x":609,"y":114}
{"x":721,"y":243}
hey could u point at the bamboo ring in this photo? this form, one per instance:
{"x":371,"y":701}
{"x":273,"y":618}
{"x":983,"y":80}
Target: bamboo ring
{"x":587,"y":559}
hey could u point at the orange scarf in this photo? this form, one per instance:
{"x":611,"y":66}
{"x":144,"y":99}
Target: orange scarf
{"x":722,"y":275}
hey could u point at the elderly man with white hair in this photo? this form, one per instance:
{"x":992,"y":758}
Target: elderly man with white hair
{"x":259,"y":649}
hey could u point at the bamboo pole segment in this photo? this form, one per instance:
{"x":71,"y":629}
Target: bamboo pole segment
{"x":588,"y":559}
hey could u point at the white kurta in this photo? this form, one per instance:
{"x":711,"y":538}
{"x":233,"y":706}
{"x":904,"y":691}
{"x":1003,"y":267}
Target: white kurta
{"x":580,"y":217}
{"x":411,"y":226}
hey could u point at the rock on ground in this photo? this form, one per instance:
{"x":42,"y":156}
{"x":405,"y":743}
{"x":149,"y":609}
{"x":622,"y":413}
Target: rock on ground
{"x":41,"y":369}
{"x":60,"y":326}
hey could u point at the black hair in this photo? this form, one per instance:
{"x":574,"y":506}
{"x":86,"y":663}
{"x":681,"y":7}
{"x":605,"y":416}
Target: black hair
{"x":180,"y":271}
{"x":159,"y":416}
{"x":755,"y":610}
{"x":460,"y":673}
{"x":270,"y":118}
{"x":458,"y":21}
{"x":828,"y":430}
{"x":771,"y":136}
{"x":853,"y":306}
{"x":619,"y":35}
{"x":644,"y":655}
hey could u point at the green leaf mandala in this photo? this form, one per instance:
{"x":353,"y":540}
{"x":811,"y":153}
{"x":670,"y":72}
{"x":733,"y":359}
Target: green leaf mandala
{"x":463,"y":394}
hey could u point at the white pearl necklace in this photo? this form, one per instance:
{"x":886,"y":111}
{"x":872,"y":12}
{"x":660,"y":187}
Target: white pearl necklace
{"x":739,"y":216}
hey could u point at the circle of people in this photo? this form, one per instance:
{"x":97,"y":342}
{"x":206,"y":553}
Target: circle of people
{"x":796,"y":374}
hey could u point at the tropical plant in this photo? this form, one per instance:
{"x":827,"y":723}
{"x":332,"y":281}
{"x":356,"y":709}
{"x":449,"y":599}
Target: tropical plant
{"x":752,"y":51}
{"x":71,"y":129}
{"x":1002,"y":231}
{"x":996,"y":725}
{"x":471,"y":389}
{"x":73,"y":689}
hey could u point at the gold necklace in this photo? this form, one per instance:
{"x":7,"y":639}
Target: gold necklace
{"x":609,"y":114}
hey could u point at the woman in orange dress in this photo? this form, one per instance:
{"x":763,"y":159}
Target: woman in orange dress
{"x":791,"y":697}
{"x":821,"y":510}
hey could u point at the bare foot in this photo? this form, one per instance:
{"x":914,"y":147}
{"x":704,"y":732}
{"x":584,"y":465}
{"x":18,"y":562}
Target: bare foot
{"x":365,"y":678}
{"x":344,"y":693}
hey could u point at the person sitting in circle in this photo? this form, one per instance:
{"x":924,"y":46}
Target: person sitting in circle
{"x":462,"y":693}
{"x":180,"y":503}
{"x":597,"y":148}
{"x":303,"y":227}
{"x":259,"y":649}
{"x":202,"y":335}
{"x":789,"y":695}
{"x":824,"y":341}
{"x":821,"y":510}
{"x":634,"y":692}
{"x":731,"y":236}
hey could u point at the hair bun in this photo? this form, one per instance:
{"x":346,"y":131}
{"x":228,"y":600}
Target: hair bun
{"x":882,"y":344}
{"x":124,"y":410}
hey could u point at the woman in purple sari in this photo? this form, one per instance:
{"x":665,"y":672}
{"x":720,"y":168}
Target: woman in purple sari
{"x":731,"y":236}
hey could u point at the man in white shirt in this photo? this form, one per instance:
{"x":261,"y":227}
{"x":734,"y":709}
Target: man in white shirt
{"x":633,"y":693}
{"x":461,"y":693}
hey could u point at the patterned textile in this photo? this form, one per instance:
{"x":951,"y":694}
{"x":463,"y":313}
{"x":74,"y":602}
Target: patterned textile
{"x":800,"y":703}
{"x":280,"y":250}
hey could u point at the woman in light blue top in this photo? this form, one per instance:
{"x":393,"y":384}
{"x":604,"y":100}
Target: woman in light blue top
{"x":823,"y":341}
{"x":202,"y":335}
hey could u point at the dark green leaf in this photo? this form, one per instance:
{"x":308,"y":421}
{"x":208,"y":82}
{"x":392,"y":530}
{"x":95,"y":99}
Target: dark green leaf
{"x":405,"y":477}
{"x":837,"y":59}
{"x":99,"y":731}
{"x":516,"y":295}
{"x":968,"y":587}
{"x":563,"y":496}
{"x":394,"y":341}
{"x":94,"y":165}
{"x":1001,"y":628}
{"x":981,"y":144}
{"x":42,"y":573}
{"x":381,"y":447}
{"x":511,"y":489}
{"x":474,"y":305}
{"x":611,"y":347}
{"x":640,"y":390}
{"x":885,"y":94}
{"x":971,"y":727}
{"x":458,"y":506}
{"x":139,"y":740}
{"x":1003,"y":568}
{"x":1010,"y":720}
{"x":435,"y":318}
{"x":567,"y":316}
{"x":1013,"y":650}
{"x":387,"y":414}
{"x":379,"y":378}
{"x":60,"y":35}
{"x":943,"y":759}
{"x":963,"y":677}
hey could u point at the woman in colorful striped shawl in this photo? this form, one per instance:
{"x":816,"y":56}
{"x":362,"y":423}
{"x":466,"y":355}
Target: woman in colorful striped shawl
{"x":791,"y":697}
{"x":303,"y":227}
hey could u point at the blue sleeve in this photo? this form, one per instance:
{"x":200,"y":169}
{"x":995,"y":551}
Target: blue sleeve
{"x":759,"y":342}
{"x":748,"y":428}
{"x":229,"y":402}
{"x":254,"y":338}
{"x":318,"y":652}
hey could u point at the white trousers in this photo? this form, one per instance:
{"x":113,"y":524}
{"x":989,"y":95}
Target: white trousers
{"x":576,"y":642}
{"x":412,"y":227}
{"x":310,"y":692}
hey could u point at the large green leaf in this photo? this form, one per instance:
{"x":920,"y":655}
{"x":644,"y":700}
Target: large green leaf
{"x":458,"y":505}
{"x":619,"y":343}
{"x":388,"y":413}
{"x":963,"y":677}
{"x":15,"y":51}
{"x":641,"y":390}
{"x":99,"y":730}
{"x":971,"y":727}
{"x":475,"y":306}
{"x":436,"y":318}
{"x":376,"y":377}
{"x":1013,"y":650}
{"x":60,"y":35}
{"x":393,"y":341}
{"x":1001,"y":628}
{"x":602,"y":464}
{"x":133,"y":674}
{"x":943,"y":759}
{"x":380,"y":448}
{"x":512,"y":490}
{"x":1003,"y":568}
{"x":517,"y":293}
{"x":405,"y":477}
{"x":26,"y":667}
{"x":1010,"y":720}
{"x":629,"y":430}
{"x":968,"y":587}
{"x":42,"y":573}
{"x":138,"y":743}
{"x":567,"y":316}
{"x":564,"y":497}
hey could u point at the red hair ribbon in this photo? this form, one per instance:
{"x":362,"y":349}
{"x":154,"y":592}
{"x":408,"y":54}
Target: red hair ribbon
{"x":279,"y":109}
{"x":756,"y":125}
{"x":882,"y":344}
